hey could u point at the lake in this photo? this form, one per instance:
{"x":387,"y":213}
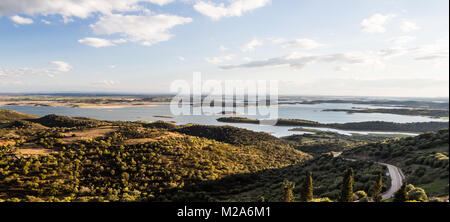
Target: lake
{"x":295,"y":111}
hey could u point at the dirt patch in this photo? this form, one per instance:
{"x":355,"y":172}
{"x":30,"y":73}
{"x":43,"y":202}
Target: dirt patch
{"x":29,"y":149}
{"x":6,"y":142}
{"x":147,"y":140}
{"x":139,"y":141}
{"x":71,"y":137}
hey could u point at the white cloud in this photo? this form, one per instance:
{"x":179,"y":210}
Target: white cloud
{"x":57,"y":67}
{"x":67,"y":19}
{"x":222,"y":48}
{"x":298,"y":43}
{"x":46,"y":21}
{"x":118,"y":41}
{"x":340,"y":69}
{"x":235,"y":8}
{"x":62,"y":66}
{"x":21,"y":20}
{"x":72,"y":8}
{"x":251,"y":45}
{"x":161,"y":2}
{"x":297,"y":61}
{"x":248,"y":59}
{"x":220,"y":59}
{"x":376,"y":23}
{"x":114,"y":18}
{"x":401,"y":40}
{"x":181,"y":58}
{"x":96,"y":42}
{"x":408,"y":26}
{"x":437,"y":51}
{"x":143,"y":29}
{"x":277,"y":40}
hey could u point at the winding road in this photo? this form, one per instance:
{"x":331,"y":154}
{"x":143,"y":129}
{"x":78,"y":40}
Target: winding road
{"x":397,"y":179}
{"x":396,"y":174}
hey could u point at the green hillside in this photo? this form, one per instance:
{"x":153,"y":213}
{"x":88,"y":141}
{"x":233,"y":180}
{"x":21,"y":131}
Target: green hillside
{"x":423,"y":159}
{"x":65,"y":121}
{"x":9,"y":116}
{"x":373,"y":126}
{"x":327,"y":174}
{"x":133,"y":163}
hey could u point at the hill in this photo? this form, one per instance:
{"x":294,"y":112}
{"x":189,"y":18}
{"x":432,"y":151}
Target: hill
{"x":327,"y":174}
{"x":65,"y":121}
{"x":230,"y":134}
{"x":130,"y":163}
{"x":435,"y":113}
{"x":325,"y":141}
{"x":374,"y":126}
{"x":275,"y":148}
{"x":423,"y":159}
{"x":9,"y":116}
{"x":22,"y":124}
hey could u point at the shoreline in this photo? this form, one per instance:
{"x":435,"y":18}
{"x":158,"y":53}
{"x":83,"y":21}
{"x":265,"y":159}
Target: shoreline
{"x":82,"y":106}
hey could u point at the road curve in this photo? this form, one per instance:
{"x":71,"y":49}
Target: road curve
{"x":396,"y":174}
{"x":397,"y":179}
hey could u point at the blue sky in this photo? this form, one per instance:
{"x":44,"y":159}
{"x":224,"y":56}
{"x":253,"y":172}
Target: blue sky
{"x":314,"y":47}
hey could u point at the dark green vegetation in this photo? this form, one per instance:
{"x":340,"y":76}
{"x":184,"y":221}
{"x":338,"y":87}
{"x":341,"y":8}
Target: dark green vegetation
{"x":280,"y":122}
{"x":436,"y":113}
{"x":135,"y":162}
{"x":410,"y":193}
{"x":277,"y":148}
{"x":69,"y":122}
{"x":288,"y":188}
{"x":423,"y":159}
{"x":58,"y":158}
{"x":307,"y":189}
{"x":230,"y":134}
{"x":10,"y":116}
{"x":420,"y":127}
{"x":401,"y":195}
{"x":327,"y":175}
{"x":347,"y":187}
{"x":324,"y":142}
{"x":359,"y":126}
{"x":377,"y":188}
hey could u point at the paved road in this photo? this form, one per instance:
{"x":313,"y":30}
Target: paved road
{"x":397,"y":179}
{"x":396,"y":174}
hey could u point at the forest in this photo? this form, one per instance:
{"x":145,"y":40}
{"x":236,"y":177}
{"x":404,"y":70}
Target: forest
{"x":436,"y":113}
{"x":417,"y":127}
{"x":58,"y":158}
{"x":423,"y":159}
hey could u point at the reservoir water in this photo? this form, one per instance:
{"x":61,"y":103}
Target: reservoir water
{"x":162,"y":112}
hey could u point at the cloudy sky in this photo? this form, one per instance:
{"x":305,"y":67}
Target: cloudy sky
{"x":314,"y":47}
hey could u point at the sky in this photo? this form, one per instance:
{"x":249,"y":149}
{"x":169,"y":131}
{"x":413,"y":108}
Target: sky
{"x":313,"y":47}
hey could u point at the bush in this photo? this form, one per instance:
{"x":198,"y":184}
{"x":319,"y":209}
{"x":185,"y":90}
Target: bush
{"x":418,"y":194}
{"x":361,"y":194}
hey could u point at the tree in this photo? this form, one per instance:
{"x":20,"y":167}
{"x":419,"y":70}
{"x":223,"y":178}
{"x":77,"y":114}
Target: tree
{"x":288,"y":188}
{"x":418,"y":194}
{"x":401,"y":195}
{"x":261,"y":199}
{"x":347,"y":187}
{"x":377,"y":188}
{"x":306,"y":192}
